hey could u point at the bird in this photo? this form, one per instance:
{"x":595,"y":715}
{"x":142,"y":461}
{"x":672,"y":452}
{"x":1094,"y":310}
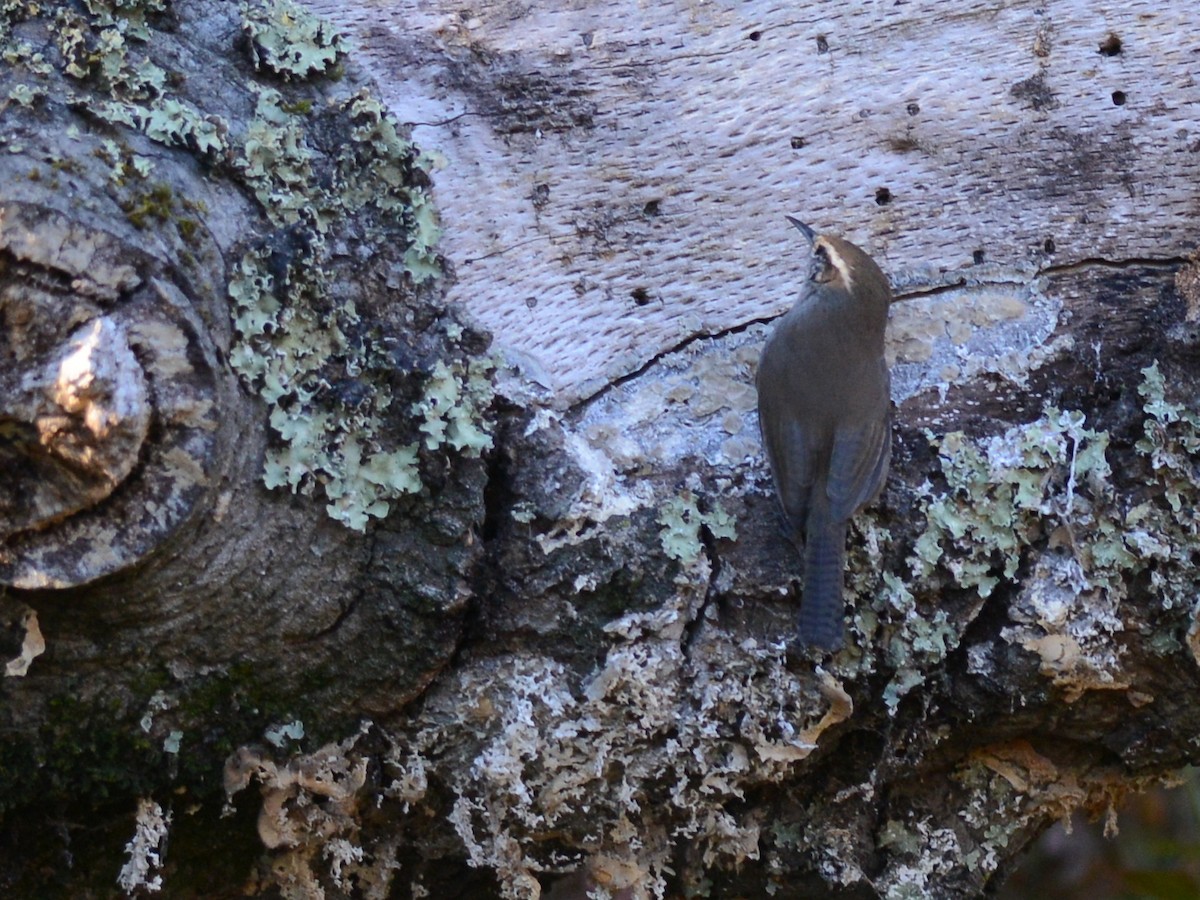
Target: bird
{"x":824,"y":409}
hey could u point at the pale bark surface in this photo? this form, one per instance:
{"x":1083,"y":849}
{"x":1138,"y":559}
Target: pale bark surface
{"x":268,"y":531}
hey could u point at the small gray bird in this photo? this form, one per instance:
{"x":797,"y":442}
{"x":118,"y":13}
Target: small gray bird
{"x":825,"y":413}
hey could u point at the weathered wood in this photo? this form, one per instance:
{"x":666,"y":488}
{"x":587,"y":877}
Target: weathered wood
{"x":616,"y":174}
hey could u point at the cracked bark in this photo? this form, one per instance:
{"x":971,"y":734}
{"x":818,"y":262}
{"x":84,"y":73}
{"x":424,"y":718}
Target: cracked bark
{"x":573,"y":651}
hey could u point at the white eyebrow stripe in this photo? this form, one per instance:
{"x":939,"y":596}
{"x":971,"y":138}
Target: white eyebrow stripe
{"x":835,"y":260}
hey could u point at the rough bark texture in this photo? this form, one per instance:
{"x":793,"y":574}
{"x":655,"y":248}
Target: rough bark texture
{"x":281,"y":540}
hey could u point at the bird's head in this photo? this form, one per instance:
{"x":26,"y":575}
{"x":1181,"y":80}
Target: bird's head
{"x":839,"y":264}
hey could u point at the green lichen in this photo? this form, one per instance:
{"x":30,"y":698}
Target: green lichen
{"x":25,"y":95}
{"x":127,"y":15}
{"x":275,"y":160}
{"x":291,"y":330}
{"x":325,"y":175}
{"x":107,"y":51}
{"x":1002,"y":494}
{"x":1050,"y":482}
{"x":338,"y":436}
{"x":376,"y":170}
{"x":449,"y":410}
{"x":98,"y":50}
{"x":280,"y":735}
{"x":289,"y":40}
{"x":917,"y":645}
{"x":682,"y":522}
{"x":1165,"y":533}
{"x":1000,"y":491}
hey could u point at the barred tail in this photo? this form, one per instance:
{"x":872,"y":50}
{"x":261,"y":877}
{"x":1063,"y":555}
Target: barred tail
{"x":823,"y":608}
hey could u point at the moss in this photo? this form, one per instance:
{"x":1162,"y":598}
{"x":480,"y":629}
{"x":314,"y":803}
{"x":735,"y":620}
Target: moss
{"x":187,"y":229}
{"x":149,"y":208}
{"x":157,"y":206}
{"x":83,"y":749}
{"x":170,"y":736}
{"x":297,"y":107}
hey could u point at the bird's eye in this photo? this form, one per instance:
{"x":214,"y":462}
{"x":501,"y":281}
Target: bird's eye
{"x":821,"y":268}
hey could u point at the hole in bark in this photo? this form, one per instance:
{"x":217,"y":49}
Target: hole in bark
{"x":1111,"y":45}
{"x":754,"y":35}
{"x":912,"y":109}
{"x":640,"y":296}
{"x":883,"y":196}
{"x":1048,"y":246}
{"x":822,"y":44}
{"x":531,"y":302}
{"x":651,"y":208}
{"x":798,"y":142}
{"x":1118,"y":98}
{"x":978,"y":256}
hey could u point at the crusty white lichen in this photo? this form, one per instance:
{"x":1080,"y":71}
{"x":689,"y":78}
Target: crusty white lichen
{"x":145,"y":849}
{"x":646,"y":752}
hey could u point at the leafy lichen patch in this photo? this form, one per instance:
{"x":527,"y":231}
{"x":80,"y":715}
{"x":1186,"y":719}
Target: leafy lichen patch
{"x":1041,"y":495}
{"x":360,"y":380}
{"x":325,"y":371}
{"x":288,"y":39}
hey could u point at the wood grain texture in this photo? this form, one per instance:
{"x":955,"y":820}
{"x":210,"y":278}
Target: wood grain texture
{"x":616,"y":173}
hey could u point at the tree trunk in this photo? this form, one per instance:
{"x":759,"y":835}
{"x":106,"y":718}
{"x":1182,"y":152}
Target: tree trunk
{"x":284,"y":540}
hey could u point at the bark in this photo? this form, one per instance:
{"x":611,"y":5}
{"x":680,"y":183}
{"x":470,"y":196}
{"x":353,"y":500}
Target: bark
{"x":284,"y":540}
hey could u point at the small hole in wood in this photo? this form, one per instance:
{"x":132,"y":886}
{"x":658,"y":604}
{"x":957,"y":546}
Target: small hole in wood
{"x":979,"y":257}
{"x":651,"y":208}
{"x":1118,"y":98}
{"x":640,"y":296}
{"x":531,"y":302}
{"x":798,"y":143}
{"x":754,"y":35}
{"x":1048,"y":246}
{"x":1111,"y":45}
{"x":912,"y":109}
{"x":822,"y":44}
{"x":883,"y":196}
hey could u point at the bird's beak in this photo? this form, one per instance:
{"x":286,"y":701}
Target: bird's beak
{"x":808,"y":233}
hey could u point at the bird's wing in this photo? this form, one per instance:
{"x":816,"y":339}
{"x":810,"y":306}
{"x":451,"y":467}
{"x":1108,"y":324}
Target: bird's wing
{"x":859,"y":464}
{"x":789,"y":451}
